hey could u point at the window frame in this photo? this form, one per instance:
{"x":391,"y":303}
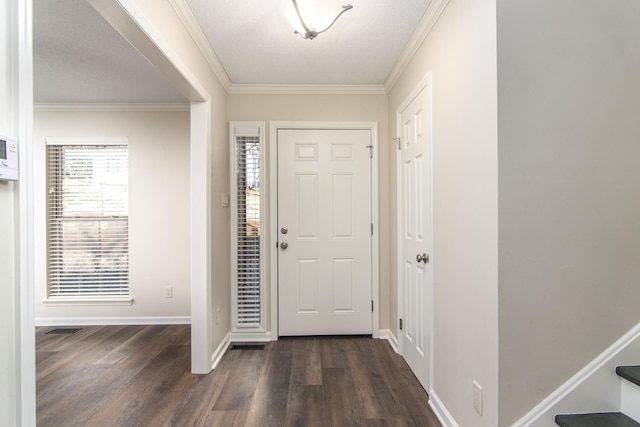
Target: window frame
{"x":94,"y":298}
{"x":236,"y":129}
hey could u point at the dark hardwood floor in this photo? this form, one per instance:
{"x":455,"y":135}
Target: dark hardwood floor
{"x":140,"y":376}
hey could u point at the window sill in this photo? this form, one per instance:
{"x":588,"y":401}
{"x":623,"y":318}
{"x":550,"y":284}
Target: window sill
{"x":62,"y":301}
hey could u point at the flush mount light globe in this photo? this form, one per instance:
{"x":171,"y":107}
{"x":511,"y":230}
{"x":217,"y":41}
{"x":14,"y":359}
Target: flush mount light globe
{"x":310,"y":33}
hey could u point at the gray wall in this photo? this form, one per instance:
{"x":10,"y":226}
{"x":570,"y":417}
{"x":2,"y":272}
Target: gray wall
{"x":159,"y":245}
{"x":209,"y":277}
{"x":372,"y":108}
{"x":569,"y":189}
{"x":460,"y":55}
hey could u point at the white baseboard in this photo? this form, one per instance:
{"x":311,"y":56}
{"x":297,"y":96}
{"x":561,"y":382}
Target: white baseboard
{"x":540,"y":410}
{"x":220,"y":351}
{"x":112,"y":321}
{"x":386,"y":334}
{"x":250,"y":336}
{"x":441,"y":411}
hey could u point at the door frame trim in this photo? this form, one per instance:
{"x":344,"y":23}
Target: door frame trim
{"x":424,"y":84}
{"x":274,"y":126}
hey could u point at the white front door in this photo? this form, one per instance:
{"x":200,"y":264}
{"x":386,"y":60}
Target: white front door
{"x":414,"y":270}
{"x":324,"y":232}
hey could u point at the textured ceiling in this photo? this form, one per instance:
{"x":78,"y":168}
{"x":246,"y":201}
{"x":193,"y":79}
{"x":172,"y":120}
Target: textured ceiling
{"x":80,"y":58}
{"x":255,"y":42}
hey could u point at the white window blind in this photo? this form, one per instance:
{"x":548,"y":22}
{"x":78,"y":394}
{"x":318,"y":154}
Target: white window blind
{"x":247,"y":227}
{"x":87,"y":224}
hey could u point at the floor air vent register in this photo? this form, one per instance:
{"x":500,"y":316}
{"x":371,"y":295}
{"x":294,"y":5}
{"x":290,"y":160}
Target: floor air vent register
{"x":247,"y":347}
{"x":64,"y":331}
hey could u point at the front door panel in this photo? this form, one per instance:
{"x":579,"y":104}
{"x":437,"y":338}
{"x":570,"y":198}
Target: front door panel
{"x":324,"y":232}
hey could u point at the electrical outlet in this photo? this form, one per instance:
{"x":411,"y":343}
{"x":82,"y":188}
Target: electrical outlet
{"x":168,"y":291}
{"x":477,"y":397}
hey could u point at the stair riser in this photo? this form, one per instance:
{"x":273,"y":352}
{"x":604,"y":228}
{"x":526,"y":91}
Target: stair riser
{"x":630,"y":403}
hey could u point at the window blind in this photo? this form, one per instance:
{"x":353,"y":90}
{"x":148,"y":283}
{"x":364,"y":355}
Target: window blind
{"x":87,"y":224}
{"x":247,"y":210}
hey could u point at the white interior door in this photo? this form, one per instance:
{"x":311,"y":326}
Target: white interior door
{"x":324,"y":232}
{"x":415,"y":235}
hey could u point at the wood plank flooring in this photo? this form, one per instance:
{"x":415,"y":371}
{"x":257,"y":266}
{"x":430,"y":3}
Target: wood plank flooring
{"x":140,"y":376}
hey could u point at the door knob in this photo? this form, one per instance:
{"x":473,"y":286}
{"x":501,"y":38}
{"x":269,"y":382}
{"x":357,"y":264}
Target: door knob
{"x":284,"y":245}
{"x":422,"y":258}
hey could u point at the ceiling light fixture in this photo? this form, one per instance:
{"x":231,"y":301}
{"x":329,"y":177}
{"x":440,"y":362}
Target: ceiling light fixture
{"x":312,"y":33}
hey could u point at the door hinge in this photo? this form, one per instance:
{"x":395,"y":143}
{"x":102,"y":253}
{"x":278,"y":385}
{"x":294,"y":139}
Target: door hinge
{"x":372,"y":229}
{"x":370,"y":147}
{"x":400,"y":324}
{"x":372,"y":306}
{"x":397,"y":140}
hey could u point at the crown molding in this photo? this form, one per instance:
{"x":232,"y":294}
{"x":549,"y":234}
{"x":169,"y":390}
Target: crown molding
{"x":282,"y":89}
{"x":193,"y":27}
{"x":429,"y":19}
{"x":45,"y":106}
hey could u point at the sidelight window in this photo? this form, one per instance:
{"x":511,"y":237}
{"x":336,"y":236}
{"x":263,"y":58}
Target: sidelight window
{"x":247,"y":225}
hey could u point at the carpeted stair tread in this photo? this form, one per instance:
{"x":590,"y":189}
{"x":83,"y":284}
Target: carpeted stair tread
{"x":604,"y":419}
{"x":630,"y":373}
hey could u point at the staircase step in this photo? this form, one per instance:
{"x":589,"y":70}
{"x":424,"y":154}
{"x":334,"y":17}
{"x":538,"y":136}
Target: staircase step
{"x":629,"y":373}
{"x":604,"y":419}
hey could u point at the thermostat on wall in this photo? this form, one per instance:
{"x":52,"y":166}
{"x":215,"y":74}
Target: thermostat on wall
{"x":8,"y":158}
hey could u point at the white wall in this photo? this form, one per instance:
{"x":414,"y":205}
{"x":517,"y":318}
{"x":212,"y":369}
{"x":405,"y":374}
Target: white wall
{"x":460,"y":52}
{"x":182,"y":61}
{"x":8,"y":305}
{"x":569,"y":98}
{"x":158,"y":212}
{"x":9,"y":365}
{"x":9,"y":313}
{"x":371,"y":108}
{"x":8,"y":310}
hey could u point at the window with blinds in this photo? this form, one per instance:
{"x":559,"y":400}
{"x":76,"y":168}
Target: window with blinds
{"x":246,"y":205}
{"x":87,"y":220}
